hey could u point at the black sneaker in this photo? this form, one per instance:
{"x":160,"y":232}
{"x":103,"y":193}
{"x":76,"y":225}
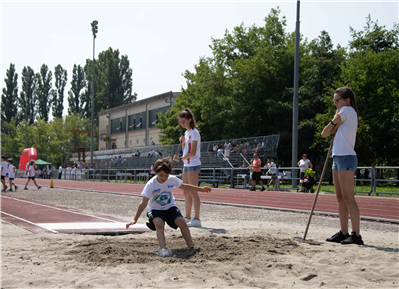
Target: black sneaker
{"x":39,"y":187}
{"x":338,"y":237}
{"x":252,"y":189}
{"x":26,"y":189}
{"x":262,"y":189}
{"x":353,"y":239}
{"x":150,"y":226}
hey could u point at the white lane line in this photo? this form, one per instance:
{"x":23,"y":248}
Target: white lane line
{"x":55,"y":208}
{"x":38,"y":225}
{"x":89,"y":225}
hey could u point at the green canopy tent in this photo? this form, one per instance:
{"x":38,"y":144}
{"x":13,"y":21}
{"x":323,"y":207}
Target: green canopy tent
{"x":40,"y":162}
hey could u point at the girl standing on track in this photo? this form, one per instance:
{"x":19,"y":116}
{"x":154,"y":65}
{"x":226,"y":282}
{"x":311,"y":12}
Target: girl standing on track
{"x":31,"y":175}
{"x":344,"y":125}
{"x":191,"y":145}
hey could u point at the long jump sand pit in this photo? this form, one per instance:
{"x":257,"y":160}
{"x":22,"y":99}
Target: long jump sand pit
{"x":239,"y":248}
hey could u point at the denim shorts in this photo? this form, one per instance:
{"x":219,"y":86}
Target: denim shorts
{"x":193,"y":168}
{"x":345,"y":163}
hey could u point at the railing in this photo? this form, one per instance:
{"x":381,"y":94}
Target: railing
{"x":234,"y":178}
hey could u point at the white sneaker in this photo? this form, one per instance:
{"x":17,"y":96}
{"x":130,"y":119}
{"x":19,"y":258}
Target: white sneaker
{"x":194,"y":223}
{"x":165,"y":252}
{"x":187,"y":220}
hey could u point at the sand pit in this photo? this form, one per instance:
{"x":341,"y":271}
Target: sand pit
{"x":239,"y":248}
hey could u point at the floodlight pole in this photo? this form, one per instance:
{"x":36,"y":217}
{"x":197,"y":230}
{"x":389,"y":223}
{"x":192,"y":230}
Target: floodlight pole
{"x":26,"y":106}
{"x":94,"y":28}
{"x":295,"y":101}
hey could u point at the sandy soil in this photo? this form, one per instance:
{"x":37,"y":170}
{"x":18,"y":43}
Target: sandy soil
{"x":239,"y":248}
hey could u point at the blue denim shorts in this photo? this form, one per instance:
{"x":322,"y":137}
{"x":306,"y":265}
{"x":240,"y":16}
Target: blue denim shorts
{"x":194,"y":168}
{"x":345,"y":163}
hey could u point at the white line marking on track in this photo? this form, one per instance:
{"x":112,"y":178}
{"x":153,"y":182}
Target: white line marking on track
{"x":60,"y":209}
{"x":89,"y":225}
{"x":38,"y":225}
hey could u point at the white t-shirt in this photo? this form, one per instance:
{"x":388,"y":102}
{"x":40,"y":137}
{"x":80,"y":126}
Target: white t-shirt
{"x":345,"y":137}
{"x":11,"y":173}
{"x":31,"y":171}
{"x":190,"y":136}
{"x":160,"y":195}
{"x":73,"y":171}
{"x":4,"y":168}
{"x":60,"y":169}
{"x":303,"y":165}
{"x":272,"y":169}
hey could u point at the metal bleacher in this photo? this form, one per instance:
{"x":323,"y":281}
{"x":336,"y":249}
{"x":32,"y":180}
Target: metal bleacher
{"x":209,"y":158}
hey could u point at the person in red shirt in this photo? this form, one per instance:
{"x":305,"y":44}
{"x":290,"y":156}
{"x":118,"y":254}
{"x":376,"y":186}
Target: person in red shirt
{"x":256,"y":164}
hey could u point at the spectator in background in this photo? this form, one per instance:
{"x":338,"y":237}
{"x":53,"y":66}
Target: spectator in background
{"x":59,"y":172}
{"x":220,"y":150}
{"x":73,"y":172}
{"x":258,"y":146}
{"x":152,"y":142}
{"x":256,"y":175}
{"x":4,"y":171}
{"x":245,"y":171}
{"x":151,"y":153}
{"x":159,"y":154}
{"x":272,"y":172}
{"x":303,"y":165}
{"x":227,"y":149}
{"x":215,"y":148}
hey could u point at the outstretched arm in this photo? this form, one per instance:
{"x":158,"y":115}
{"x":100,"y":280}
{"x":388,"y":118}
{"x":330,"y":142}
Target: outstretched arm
{"x":140,"y":209}
{"x":187,"y":187}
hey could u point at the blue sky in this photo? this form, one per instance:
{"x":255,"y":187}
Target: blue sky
{"x":162,"y":39}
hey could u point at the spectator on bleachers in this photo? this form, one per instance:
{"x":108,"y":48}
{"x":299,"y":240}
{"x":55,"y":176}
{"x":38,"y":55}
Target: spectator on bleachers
{"x":227,"y":149}
{"x":215,"y":148}
{"x":233,"y":143}
{"x":234,"y":150}
{"x":241,"y":146}
{"x":258,"y":146}
{"x":220,"y":150}
{"x":151,"y":153}
{"x":158,"y":154}
{"x":247,"y":145}
{"x":252,"y":146}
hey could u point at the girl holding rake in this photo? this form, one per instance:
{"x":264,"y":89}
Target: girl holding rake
{"x":344,"y":125}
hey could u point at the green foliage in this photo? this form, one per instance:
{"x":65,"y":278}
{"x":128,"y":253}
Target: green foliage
{"x":44,"y":101}
{"x":28,"y":97}
{"x":9,"y":97}
{"x":61,"y":77}
{"x":113,"y":81}
{"x":75,"y":97}
{"x":246,"y":88}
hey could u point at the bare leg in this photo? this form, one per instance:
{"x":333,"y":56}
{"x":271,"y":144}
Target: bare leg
{"x":185,"y":231}
{"x":160,"y":227}
{"x":346,"y":181}
{"x":188,"y":201}
{"x":193,"y":180}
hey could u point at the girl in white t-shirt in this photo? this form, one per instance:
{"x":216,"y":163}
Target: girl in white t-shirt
{"x":191,"y":145}
{"x":11,"y":174}
{"x":344,"y":125}
{"x":31,"y":175}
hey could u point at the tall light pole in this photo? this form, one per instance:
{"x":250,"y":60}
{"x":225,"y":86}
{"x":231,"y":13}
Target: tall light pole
{"x":295,"y":100}
{"x":26,"y":105}
{"x":94,"y":28}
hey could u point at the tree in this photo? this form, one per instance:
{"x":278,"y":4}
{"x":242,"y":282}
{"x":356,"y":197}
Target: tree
{"x":9,"y":97}
{"x":58,"y":93}
{"x":113,"y":81}
{"x":75,"y":98}
{"x":374,"y":37}
{"x":44,"y":78}
{"x":28,"y":97}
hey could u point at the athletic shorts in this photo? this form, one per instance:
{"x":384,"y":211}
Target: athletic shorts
{"x":345,"y":163}
{"x":256,"y":176}
{"x":31,"y":178}
{"x":169,"y":216}
{"x":10,"y":179}
{"x":193,"y":168}
{"x":3,"y":177}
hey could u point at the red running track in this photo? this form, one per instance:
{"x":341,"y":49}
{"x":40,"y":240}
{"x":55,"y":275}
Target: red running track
{"x":371,"y":208}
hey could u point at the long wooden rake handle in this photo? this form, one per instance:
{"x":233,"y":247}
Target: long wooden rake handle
{"x":318,"y":187}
